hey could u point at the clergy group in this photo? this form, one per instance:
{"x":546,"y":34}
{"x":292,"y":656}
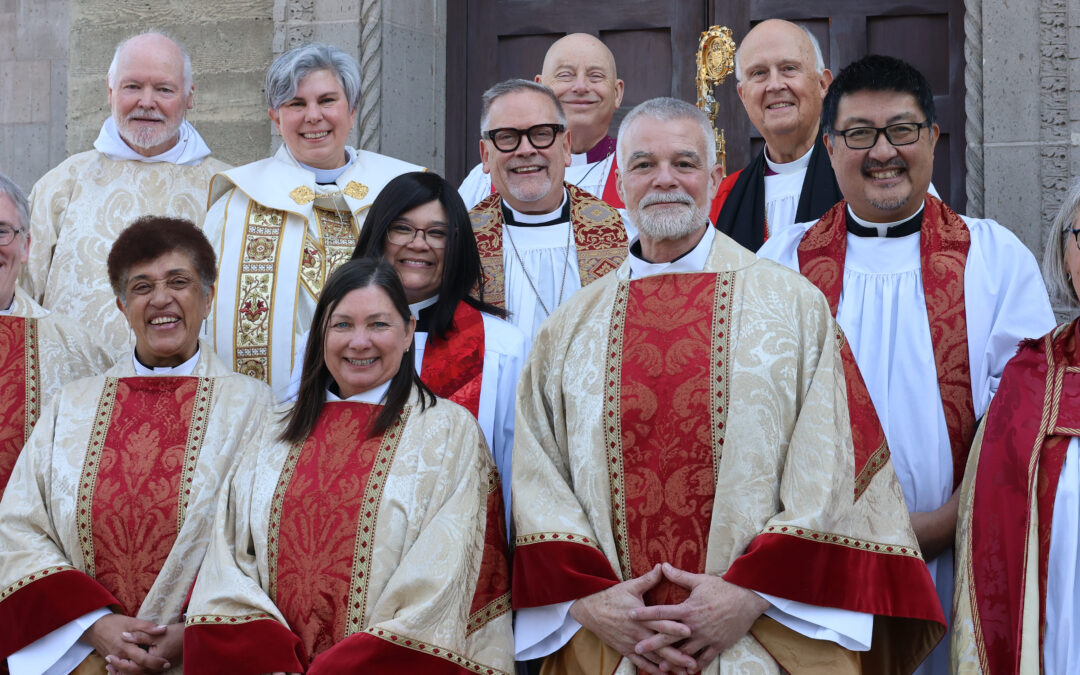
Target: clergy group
{"x":600,"y":409}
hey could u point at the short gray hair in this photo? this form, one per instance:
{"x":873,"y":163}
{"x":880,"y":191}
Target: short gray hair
{"x":819,"y":61}
{"x":285,"y":73}
{"x":189,"y":81}
{"x":505,"y":87}
{"x":1058,"y":284}
{"x":667,"y":109}
{"x":18,"y":198}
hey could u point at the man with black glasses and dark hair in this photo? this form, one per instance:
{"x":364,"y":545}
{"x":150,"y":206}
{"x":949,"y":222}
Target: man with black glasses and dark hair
{"x":932,"y":303}
{"x":540,"y":238}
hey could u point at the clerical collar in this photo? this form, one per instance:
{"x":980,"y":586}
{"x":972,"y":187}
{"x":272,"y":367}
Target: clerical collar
{"x":514,"y":217}
{"x":183,"y":370}
{"x":692,"y":261}
{"x":423,"y":311}
{"x":787,"y":167}
{"x":375,"y":395}
{"x":900,"y":228}
{"x":328,"y":176}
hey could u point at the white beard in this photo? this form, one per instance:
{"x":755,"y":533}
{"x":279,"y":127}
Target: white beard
{"x":146,"y":138}
{"x":669,"y":223}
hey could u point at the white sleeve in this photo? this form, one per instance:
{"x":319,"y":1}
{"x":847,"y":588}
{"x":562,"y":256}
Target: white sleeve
{"x":539,"y":631}
{"x":851,"y":630}
{"x":476,"y":187}
{"x":293,"y":389}
{"x":59,"y":652}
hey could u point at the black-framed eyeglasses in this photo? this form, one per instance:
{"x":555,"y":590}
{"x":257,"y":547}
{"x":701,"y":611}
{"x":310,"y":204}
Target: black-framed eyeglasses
{"x":861,"y":138}
{"x":1075,"y":233}
{"x":7,"y":234}
{"x":507,"y":139}
{"x":402,"y":234}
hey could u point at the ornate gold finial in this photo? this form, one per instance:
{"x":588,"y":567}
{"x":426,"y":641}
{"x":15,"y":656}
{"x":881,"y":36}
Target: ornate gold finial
{"x":356,"y":190}
{"x":303,"y":195}
{"x":715,"y":61}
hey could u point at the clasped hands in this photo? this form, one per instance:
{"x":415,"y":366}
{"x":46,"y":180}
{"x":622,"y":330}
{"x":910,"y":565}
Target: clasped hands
{"x":133,"y":646}
{"x":682,"y":638}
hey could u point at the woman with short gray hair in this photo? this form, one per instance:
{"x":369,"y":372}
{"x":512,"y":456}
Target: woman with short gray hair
{"x":1021,"y":493}
{"x":281,"y":225}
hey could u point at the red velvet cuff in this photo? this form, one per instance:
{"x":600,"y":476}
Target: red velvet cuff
{"x":45,"y":603}
{"x":255,"y":647}
{"x":834,"y":575}
{"x":366,"y":653}
{"x":556,"y":571}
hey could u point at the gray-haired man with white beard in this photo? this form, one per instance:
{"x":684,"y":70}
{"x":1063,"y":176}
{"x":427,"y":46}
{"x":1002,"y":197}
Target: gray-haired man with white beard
{"x":147,"y":159}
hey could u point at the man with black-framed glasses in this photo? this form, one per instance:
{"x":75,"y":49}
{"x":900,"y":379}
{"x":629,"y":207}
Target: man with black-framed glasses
{"x":932,"y":303}
{"x":540,"y":238}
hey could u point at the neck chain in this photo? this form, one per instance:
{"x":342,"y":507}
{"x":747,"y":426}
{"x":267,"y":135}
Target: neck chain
{"x":528,"y":277}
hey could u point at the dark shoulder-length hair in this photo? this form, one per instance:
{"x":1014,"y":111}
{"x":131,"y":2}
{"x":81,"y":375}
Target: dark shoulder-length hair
{"x":316,"y":379}
{"x":462,"y":279}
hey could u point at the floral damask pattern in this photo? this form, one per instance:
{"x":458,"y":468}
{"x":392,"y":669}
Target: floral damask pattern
{"x":322,"y":256}
{"x":20,"y":389}
{"x":255,"y":291}
{"x":454,"y":367}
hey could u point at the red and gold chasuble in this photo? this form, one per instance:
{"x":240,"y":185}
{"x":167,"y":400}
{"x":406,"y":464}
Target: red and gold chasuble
{"x":20,"y":389}
{"x":454,"y":367}
{"x":944,"y":242}
{"x":665,"y":407}
{"x":137,"y":476}
{"x":599,"y":235}
{"x":1033,"y":417}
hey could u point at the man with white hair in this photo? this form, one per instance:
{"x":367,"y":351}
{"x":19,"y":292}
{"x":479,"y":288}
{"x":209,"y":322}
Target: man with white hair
{"x":685,"y":465}
{"x":580,"y":70}
{"x":147,"y":159}
{"x":39,"y":350}
{"x":782,"y":80}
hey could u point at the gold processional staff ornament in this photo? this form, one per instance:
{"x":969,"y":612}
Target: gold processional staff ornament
{"x":715,"y":61}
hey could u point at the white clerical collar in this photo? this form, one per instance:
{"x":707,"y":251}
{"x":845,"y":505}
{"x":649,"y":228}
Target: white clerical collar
{"x":183,"y":370}
{"x":415,"y":307}
{"x":327,"y":176}
{"x":375,"y":395}
{"x":579,"y":159}
{"x":533,"y":218}
{"x":692,"y":261}
{"x":882,"y":228}
{"x":789,"y":167}
{"x":189,"y":150}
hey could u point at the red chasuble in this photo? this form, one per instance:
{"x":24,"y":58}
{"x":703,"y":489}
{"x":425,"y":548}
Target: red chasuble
{"x":20,"y":389}
{"x":1033,"y":416}
{"x":599,"y":235}
{"x":944,"y":242}
{"x":454,"y":367}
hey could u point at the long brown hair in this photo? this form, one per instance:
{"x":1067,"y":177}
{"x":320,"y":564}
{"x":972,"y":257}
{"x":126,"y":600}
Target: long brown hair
{"x":316,"y":378}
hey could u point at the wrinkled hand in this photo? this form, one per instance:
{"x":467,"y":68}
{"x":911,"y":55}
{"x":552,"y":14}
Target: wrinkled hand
{"x":607,"y":614}
{"x":936,"y":530}
{"x":717,"y":613}
{"x":168,"y":645}
{"x":106,"y":636}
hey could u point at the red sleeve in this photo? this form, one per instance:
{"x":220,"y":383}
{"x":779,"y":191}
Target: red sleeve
{"x":248,"y":648}
{"x":385,"y":652}
{"x":45,"y":601}
{"x":549,"y":572}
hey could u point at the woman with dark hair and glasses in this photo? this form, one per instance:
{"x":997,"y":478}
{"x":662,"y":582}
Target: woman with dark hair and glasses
{"x":367,"y":535}
{"x":1017,"y":603}
{"x":464,"y":350}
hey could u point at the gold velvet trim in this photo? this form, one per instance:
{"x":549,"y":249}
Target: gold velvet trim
{"x":542,"y":537}
{"x":720,"y":366}
{"x":203,"y":619}
{"x":434,"y":650}
{"x":612,"y":421}
{"x":797,"y":653}
{"x":204,"y":399}
{"x":584,"y":654}
{"x":849,"y":542}
{"x":257,"y":280}
{"x":32,"y":378}
{"x":31,"y":578}
{"x":365,"y":524}
{"x":89,"y":475}
{"x":274,"y":528}
{"x":488,"y":613}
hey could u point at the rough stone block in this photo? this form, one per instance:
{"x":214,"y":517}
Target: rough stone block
{"x":412,"y":105}
{"x":8,"y":32}
{"x":339,"y":10}
{"x":43,"y":29}
{"x":1014,"y":190}
{"x":423,"y":16}
{"x":1011,"y":59}
{"x":342,"y":34}
{"x":24,"y":91}
{"x":24,"y":153}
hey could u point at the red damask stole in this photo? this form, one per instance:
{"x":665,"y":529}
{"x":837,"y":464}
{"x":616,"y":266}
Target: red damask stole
{"x":319,"y":552}
{"x":944,"y":243}
{"x":1031,"y":421}
{"x":20,"y":389}
{"x":141,"y":478}
{"x":454,"y":367}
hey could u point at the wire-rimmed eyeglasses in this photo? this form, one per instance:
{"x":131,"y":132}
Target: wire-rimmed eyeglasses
{"x":402,"y":234}
{"x":861,"y":138}
{"x":7,"y":234}
{"x":507,"y":139}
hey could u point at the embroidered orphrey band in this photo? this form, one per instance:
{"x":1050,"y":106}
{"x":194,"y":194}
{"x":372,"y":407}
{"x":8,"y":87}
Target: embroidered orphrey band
{"x":204,"y":399}
{"x":274,"y":529}
{"x":32,"y":378}
{"x":255,"y":291}
{"x":613,"y":426}
{"x":89,"y":475}
{"x":417,"y":645}
{"x":319,"y":260}
{"x":720,"y":366}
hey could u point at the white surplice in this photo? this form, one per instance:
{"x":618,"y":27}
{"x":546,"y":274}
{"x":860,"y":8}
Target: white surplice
{"x":1061,"y":649}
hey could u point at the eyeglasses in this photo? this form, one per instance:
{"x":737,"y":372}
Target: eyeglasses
{"x":7,"y":234}
{"x":402,"y":234}
{"x":507,"y":139}
{"x":861,"y":138}
{"x":1075,"y":233}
